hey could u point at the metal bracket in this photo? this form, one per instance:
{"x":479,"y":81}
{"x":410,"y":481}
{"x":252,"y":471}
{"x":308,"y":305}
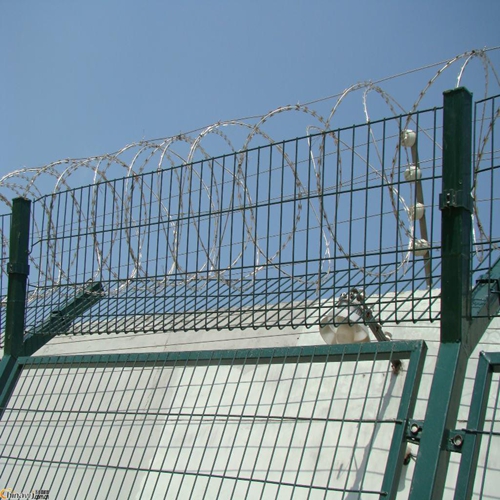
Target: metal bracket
{"x":454,"y":441}
{"x":453,"y":198}
{"x":18,"y":268}
{"x":414,"y":430}
{"x":59,"y":320}
{"x":356,"y":298}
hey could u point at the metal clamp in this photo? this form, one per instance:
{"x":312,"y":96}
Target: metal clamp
{"x":455,"y":441}
{"x":414,"y":431}
{"x":453,"y":198}
{"x":356,"y":298}
{"x":18,"y":268}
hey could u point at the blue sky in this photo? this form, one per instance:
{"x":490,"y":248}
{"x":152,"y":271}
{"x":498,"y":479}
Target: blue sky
{"x":86,"y":78}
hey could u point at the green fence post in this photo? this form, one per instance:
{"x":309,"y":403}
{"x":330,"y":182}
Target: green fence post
{"x":456,"y":208}
{"x":9,"y":373}
{"x":18,"y":270}
{"x":16,"y":298}
{"x":456,"y":228}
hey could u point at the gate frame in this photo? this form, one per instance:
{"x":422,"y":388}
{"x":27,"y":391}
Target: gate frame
{"x":413,"y":351}
{"x":488,"y":364}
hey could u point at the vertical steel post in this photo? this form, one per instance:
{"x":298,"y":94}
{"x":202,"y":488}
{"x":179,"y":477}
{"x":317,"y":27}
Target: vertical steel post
{"x":16,"y":298}
{"x":456,"y":206}
{"x":456,"y":228}
{"x":18,"y":270}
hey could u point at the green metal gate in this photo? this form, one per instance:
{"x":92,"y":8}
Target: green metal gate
{"x":318,"y":422}
{"x":482,"y":435}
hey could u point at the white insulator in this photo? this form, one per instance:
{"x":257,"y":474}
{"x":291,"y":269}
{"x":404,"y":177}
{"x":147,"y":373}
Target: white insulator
{"x":420,"y":247}
{"x":416,"y":212}
{"x":408,"y":138}
{"x":412,"y":173}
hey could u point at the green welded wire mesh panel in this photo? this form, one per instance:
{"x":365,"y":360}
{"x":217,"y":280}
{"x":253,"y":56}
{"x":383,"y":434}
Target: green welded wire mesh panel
{"x":261,"y":238}
{"x":266,"y":237}
{"x":479,"y":463}
{"x":4,"y":257}
{"x":486,"y":202}
{"x":269,"y":423}
{"x":488,"y":467}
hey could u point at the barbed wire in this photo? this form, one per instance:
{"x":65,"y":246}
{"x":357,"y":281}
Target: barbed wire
{"x":238,"y":136}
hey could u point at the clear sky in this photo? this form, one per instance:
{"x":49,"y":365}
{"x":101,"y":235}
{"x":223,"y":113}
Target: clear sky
{"x":86,"y":78}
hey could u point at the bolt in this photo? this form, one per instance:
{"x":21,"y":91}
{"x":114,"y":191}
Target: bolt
{"x":414,"y":428}
{"x":457,"y":440}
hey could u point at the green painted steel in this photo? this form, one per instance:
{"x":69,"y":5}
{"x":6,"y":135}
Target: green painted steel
{"x":470,"y":449}
{"x":384,"y":351}
{"x":444,"y":399}
{"x":60,"y":320}
{"x":5,"y":220}
{"x":10,"y":370}
{"x":456,"y":223}
{"x":203,"y":424}
{"x":395,"y":461}
{"x":18,"y":270}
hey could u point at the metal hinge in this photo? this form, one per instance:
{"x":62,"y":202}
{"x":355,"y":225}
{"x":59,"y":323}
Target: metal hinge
{"x":455,"y":440}
{"x":414,"y":431}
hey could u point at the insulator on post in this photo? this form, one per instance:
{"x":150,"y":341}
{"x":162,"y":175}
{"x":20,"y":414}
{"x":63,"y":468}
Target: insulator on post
{"x":408,"y":138}
{"x":420,"y":247}
{"x":412,"y":173}
{"x":416,"y":212}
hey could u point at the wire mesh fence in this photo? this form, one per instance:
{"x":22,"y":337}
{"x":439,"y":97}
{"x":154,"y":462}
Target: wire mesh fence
{"x":260,"y":238}
{"x":265,"y":237}
{"x":271,"y":423}
{"x":488,"y":468}
{"x":479,"y":467}
{"x":486,"y":201}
